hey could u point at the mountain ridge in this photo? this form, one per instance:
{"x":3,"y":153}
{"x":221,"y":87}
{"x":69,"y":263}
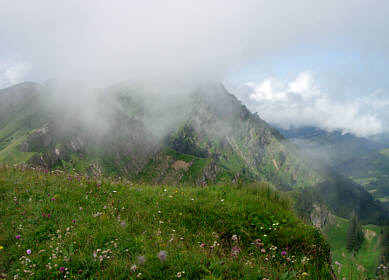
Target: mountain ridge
{"x":207,"y":136}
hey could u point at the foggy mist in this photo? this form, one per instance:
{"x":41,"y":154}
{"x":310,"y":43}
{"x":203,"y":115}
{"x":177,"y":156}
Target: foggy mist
{"x":180,"y":42}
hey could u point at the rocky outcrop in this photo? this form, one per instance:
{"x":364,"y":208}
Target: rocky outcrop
{"x":321,"y":216}
{"x":209,"y":174}
{"x":38,"y":140}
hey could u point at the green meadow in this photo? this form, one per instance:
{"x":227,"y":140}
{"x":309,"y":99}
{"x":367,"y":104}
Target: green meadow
{"x":65,"y":226}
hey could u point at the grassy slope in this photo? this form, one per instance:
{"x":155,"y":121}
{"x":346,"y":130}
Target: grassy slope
{"x":367,"y":257}
{"x":15,"y":131}
{"x":11,"y":153}
{"x":121,"y":221}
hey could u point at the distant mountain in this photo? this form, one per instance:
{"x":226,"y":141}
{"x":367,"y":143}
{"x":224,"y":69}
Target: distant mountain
{"x":364,"y":160}
{"x":147,"y":134}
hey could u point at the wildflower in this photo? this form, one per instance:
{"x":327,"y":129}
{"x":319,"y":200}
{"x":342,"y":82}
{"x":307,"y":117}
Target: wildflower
{"x":123,"y":223}
{"x":235,"y":251}
{"x":263,"y":250}
{"x":73,"y":221}
{"x":1,"y":247}
{"x":133,"y":268}
{"x":61,"y":269}
{"x":179,"y":274}
{"x":234,"y":237}
{"x":258,"y":243}
{"x":28,"y":251}
{"x":304,"y":274}
{"x":141,"y":260}
{"x":162,"y":255}
{"x":283,"y":253}
{"x":221,"y":200}
{"x":53,"y":198}
{"x":139,"y":275}
{"x":202,"y":245}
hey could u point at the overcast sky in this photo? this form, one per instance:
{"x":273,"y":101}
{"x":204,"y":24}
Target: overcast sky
{"x":322,"y":63}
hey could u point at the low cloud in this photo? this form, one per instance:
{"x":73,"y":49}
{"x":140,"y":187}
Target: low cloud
{"x":302,"y":102}
{"x":104,"y":42}
{"x":12,"y":73}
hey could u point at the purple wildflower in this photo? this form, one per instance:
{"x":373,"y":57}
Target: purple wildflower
{"x":258,"y":243}
{"x":141,"y":260}
{"x":283,"y":253}
{"x":235,"y":251}
{"x":162,"y":255}
{"x":17,"y":236}
{"x":28,"y":251}
{"x":61,"y":269}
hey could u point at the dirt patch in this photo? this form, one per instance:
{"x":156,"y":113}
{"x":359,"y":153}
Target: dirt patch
{"x":275,"y":164}
{"x":181,"y":165}
{"x":361,"y":268}
{"x":369,"y":234}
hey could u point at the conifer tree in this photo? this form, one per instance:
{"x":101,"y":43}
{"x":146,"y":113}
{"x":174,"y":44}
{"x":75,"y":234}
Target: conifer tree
{"x":354,"y":234}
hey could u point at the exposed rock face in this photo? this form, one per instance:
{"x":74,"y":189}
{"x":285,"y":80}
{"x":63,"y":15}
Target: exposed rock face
{"x":219,"y":127}
{"x":181,"y":165}
{"x":132,"y":145}
{"x":128,"y":145}
{"x":76,"y":144}
{"x":209,"y":174}
{"x":95,"y":169}
{"x":49,"y":159}
{"x":40,"y":139}
{"x":321,"y":216}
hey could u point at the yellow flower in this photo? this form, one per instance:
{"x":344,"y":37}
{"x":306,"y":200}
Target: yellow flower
{"x":1,"y":247}
{"x":305,"y":274}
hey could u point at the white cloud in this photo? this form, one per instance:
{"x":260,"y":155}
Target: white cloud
{"x":303,"y":102}
{"x":12,"y":73}
{"x":109,"y":41}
